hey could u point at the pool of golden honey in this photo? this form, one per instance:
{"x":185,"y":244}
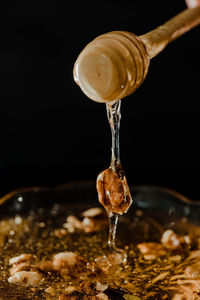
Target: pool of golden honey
{"x":139,"y":277}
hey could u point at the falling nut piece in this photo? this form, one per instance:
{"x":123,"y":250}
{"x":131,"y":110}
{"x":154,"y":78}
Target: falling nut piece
{"x":113,"y":192}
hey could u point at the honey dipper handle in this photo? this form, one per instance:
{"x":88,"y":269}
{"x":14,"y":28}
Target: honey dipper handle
{"x":115,"y":64}
{"x":157,"y":39}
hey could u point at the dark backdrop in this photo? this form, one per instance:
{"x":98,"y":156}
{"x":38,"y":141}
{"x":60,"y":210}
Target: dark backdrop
{"x":51,"y":133}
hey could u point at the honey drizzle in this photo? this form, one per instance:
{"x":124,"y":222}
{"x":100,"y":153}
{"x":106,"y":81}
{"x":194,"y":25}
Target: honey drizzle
{"x":114,"y":118}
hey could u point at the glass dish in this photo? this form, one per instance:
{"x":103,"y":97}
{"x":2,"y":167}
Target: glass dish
{"x":157,"y":206}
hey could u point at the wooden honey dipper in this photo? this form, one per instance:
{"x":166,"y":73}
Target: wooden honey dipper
{"x":115,"y":64}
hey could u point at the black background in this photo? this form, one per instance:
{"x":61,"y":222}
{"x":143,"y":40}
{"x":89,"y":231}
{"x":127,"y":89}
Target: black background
{"x":51,"y":133}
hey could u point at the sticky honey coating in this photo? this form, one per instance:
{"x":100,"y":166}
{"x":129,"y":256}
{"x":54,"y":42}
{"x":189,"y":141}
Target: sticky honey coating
{"x":113,"y":191}
{"x":112,"y":66}
{"x":115,"y":64}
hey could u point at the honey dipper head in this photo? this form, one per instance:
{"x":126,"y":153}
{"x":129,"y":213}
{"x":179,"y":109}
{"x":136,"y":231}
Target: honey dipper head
{"x":112,"y":66}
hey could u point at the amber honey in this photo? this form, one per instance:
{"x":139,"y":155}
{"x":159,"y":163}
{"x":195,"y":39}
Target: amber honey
{"x":157,"y":278}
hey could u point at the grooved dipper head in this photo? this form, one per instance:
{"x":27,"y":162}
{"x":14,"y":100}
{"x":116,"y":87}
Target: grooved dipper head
{"x":112,"y":66}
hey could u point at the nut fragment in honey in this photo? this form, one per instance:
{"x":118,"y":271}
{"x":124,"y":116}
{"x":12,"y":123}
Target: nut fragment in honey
{"x":21,"y":258}
{"x":102,"y":296}
{"x":51,"y":291}
{"x":151,"y":250}
{"x":94,"y":220}
{"x":24,"y":266}
{"x":75,"y":222}
{"x":92,"y":212}
{"x":175,"y":242}
{"x":25,"y":277}
{"x":193,"y":271}
{"x":64,"y":259}
{"x":113,"y":192}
